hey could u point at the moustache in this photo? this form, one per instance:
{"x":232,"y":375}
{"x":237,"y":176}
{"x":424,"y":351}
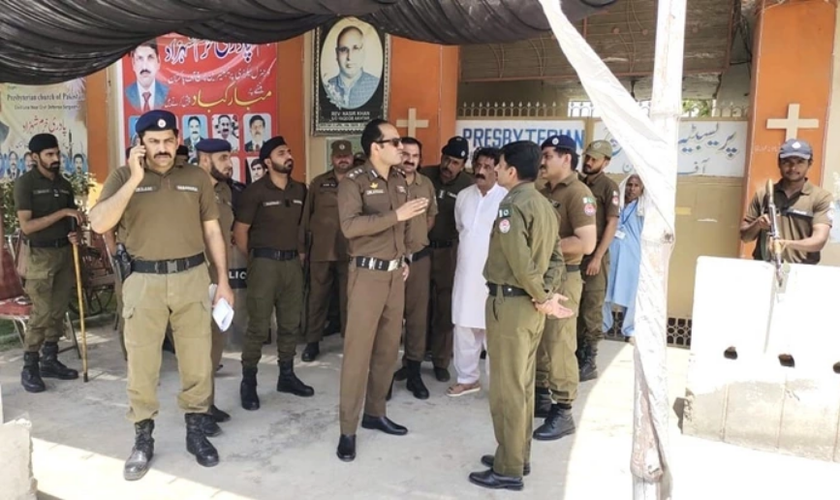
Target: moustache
{"x":145,"y":72}
{"x":55,"y":165}
{"x":409,"y":164}
{"x":163,"y":155}
{"x":480,"y":176}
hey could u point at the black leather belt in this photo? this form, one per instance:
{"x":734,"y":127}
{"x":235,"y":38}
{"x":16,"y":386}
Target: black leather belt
{"x":572,"y":268}
{"x":506,"y":290}
{"x":375,"y":264}
{"x":59,"y":243}
{"x":443,"y":244}
{"x":270,"y":253}
{"x":422,"y":253}
{"x":167,"y":266}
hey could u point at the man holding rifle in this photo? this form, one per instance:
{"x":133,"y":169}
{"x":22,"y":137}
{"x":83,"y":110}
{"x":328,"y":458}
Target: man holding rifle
{"x":804,"y":212}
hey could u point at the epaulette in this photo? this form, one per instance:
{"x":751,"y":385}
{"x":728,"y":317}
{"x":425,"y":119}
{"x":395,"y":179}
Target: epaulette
{"x":355,"y":172}
{"x":400,"y":171}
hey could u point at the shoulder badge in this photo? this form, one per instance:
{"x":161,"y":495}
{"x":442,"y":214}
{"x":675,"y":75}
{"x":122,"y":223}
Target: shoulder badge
{"x":615,"y":198}
{"x":355,"y":172}
{"x":504,"y":212}
{"x":504,"y":226}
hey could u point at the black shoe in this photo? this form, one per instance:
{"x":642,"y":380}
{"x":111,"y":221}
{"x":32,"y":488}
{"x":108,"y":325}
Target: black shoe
{"x":346,"y":451}
{"x":489,"y":460}
{"x":383,"y":424}
{"x":30,"y":377}
{"x":218,"y":415}
{"x":197,"y":444}
{"x":248,"y":389}
{"x":51,"y":367}
{"x":493,"y":481}
{"x":209,"y":426}
{"x":542,"y":403}
{"x":140,"y":460}
{"x":483,"y":354}
{"x":415,"y":382}
{"x":588,"y":368}
{"x":442,"y":374}
{"x":559,"y":423}
{"x":311,"y":352}
{"x":401,"y":374}
{"x":288,"y":381}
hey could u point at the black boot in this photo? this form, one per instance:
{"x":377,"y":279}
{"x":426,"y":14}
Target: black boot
{"x":51,"y":367}
{"x":415,"y":382}
{"x":218,"y":415}
{"x":588,"y":368}
{"x":140,"y":459}
{"x":401,"y":374}
{"x":30,"y":377}
{"x":288,"y":381}
{"x":209,"y":426}
{"x":197,"y":443}
{"x":248,"y":389}
{"x":559,"y":423}
{"x":542,"y":403}
{"x":311,"y":352}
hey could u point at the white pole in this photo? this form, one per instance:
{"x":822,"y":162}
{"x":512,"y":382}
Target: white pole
{"x":650,"y":411}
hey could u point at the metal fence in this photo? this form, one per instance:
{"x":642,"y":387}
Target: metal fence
{"x":578,"y":109}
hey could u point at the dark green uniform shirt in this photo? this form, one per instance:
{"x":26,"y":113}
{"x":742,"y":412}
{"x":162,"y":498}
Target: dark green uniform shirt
{"x":576,"y":206}
{"x":419,"y":226}
{"x":444,"y":228}
{"x":163,"y":219}
{"x":38,"y":194}
{"x":274,"y":214}
{"x":605,"y":191}
{"x":525,"y":244}
{"x":797,"y":216}
{"x":320,"y":221}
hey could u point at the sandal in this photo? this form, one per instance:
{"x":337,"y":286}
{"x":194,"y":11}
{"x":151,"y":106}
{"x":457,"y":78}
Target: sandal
{"x":463,"y":389}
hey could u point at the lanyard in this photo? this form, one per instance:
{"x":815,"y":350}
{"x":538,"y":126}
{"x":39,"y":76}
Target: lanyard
{"x":624,"y":218}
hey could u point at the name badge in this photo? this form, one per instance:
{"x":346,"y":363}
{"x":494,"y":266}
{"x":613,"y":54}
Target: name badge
{"x":297,"y":202}
{"x":191,"y":189}
{"x":401,"y":189}
{"x":620,"y":234}
{"x":329,"y":185}
{"x":374,"y":191}
{"x":144,"y":189}
{"x":271,"y":203}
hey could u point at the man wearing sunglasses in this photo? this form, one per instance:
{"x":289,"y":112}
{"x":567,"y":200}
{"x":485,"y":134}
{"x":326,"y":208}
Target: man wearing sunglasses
{"x":375,"y":213}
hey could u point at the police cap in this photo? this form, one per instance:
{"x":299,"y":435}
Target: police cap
{"x":271,"y":145}
{"x":156,"y":120}
{"x":213,"y":146}
{"x":561,"y":142}
{"x":457,"y":147}
{"x":40,"y":142}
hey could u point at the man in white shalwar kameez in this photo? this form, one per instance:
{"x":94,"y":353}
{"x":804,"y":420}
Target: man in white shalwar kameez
{"x":475,"y":212}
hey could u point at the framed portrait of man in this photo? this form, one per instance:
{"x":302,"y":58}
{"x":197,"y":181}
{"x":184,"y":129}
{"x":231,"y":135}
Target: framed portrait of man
{"x":351,"y":76}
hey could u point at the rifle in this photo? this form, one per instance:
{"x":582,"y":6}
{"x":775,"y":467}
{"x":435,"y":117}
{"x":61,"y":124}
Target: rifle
{"x":775,"y":234}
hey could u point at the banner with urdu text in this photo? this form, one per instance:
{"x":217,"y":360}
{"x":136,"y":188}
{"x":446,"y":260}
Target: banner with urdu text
{"x":216,"y":89}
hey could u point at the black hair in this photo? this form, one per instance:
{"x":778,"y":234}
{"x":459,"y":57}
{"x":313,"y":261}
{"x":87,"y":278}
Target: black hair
{"x":256,"y":118}
{"x":371,"y":134}
{"x":193,"y":117}
{"x":152,"y":44}
{"x":182,"y":151}
{"x":524,"y":156}
{"x":572,"y":153}
{"x":492,"y":153}
{"x":413,"y":141}
{"x":78,"y":155}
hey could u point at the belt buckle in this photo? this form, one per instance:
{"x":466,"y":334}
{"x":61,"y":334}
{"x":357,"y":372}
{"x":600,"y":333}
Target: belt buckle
{"x":171,"y":266}
{"x":393,"y":265}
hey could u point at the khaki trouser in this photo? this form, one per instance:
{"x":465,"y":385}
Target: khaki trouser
{"x":322,"y":279}
{"x":591,"y":318}
{"x":372,"y":342}
{"x":149,"y":301}
{"x":273,"y":285}
{"x":417,"y":309}
{"x":557,"y":366}
{"x":443,"y":276}
{"x":50,"y":278}
{"x":513,"y":334}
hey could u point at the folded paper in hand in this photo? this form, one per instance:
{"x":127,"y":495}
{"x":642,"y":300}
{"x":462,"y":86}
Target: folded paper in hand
{"x":222,"y":311}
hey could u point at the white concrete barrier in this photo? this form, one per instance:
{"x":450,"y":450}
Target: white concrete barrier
{"x":764,"y":363}
{"x":16,"y":480}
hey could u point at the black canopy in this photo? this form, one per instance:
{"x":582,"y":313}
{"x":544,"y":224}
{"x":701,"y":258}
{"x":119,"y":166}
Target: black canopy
{"x":50,"y":41}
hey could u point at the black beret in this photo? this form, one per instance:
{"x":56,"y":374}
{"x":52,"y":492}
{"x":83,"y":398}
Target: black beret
{"x":213,"y":146}
{"x":156,"y":121}
{"x":457,"y":147}
{"x":40,"y":142}
{"x":271,"y":145}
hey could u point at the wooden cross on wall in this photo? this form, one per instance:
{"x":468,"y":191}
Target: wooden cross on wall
{"x":412,"y":123}
{"x":792,"y":123}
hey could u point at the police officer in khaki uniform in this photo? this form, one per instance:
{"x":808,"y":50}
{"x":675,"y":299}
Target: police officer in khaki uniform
{"x":524,"y":269}
{"x":596,"y":265}
{"x":557,"y":368}
{"x":805,"y":211}
{"x":267,"y":228}
{"x":45,"y":204}
{"x":322,"y":242}
{"x":166,"y":215}
{"x":375,"y":210}
{"x":417,"y":285}
{"x":213,"y":157}
{"x":449,"y":179}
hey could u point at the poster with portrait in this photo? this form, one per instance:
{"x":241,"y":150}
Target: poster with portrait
{"x":351,"y":76}
{"x":221,"y":90}
{"x":27,"y":110}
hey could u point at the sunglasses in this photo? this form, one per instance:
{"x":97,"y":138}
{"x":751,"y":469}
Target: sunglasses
{"x":396,"y":141}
